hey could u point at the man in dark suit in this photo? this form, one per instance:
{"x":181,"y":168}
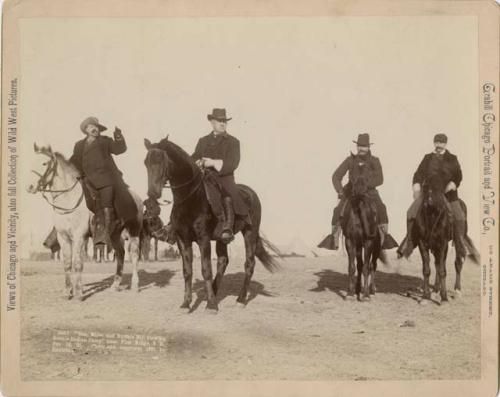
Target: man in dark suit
{"x":353,"y":165}
{"x":441,"y":162}
{"x":101,"y":177}
{"x":218,"y":155}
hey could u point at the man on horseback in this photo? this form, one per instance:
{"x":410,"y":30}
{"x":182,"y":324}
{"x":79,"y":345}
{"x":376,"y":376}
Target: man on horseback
{"x":441,"y":162}
{"x":354,"y":165}
{"x":101,"y":179}
{"x":218,"y":155}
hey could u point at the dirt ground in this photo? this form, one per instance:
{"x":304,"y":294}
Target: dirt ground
{"x":296,"y":325}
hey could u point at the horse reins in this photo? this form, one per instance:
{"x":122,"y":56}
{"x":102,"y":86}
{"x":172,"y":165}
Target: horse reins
{"x":43,"y":182}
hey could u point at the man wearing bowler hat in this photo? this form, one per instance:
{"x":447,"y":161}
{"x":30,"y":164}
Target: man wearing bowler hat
{"x":441,"y":162}
{"x":218,"y":155}
{"x":102,"y":181}
{"x":362,"y":161}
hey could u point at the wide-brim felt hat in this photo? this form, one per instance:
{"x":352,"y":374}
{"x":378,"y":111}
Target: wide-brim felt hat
{"x":363,"y":140}
{"x":218,"y":114}
{"x":93,"y":121}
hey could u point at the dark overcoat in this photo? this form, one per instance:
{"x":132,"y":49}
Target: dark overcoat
{"x":95,"y":163}
{"x":372,"y":171}
{"x":223,"y":147}
{"x":446,"y":165}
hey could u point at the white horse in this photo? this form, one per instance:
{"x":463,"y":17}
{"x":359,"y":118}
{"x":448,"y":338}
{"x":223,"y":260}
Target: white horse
{"x":58,"y":184}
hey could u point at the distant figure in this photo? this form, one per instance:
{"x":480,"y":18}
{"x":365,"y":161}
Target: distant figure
{"x":51,"y":243}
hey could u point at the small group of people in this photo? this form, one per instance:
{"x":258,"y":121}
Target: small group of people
{"x":218,"y":155}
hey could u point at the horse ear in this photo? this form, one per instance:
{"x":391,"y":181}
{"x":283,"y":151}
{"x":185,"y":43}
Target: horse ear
{"x":147,"y":143}
{"x":166,"y":138}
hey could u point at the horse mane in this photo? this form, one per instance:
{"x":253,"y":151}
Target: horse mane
{"x":180,"y":158}
{"x":69,"y":166}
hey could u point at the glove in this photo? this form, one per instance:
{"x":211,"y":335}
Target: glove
{"x":450,"y":186}
{"x":117,"y":133}
{"x":417,"y":190}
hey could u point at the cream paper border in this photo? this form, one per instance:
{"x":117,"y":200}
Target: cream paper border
{"x":487,"y":15}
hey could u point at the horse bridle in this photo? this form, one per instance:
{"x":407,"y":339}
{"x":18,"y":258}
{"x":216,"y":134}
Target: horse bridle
{"x":47,"y":179}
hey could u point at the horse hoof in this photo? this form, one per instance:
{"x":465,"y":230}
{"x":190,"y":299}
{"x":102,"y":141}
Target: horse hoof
{"x":365,"y":299}
{"x":457,"y":294}
{"x":240,"y":305}
{"x":135,"y":288}
{"x":445,"y":302}
{"x":116,"y":286}
{"x":185,"y":306}
{"x":349,"y":298}
{"x":211,"y":310}
{"x":423,"y":302}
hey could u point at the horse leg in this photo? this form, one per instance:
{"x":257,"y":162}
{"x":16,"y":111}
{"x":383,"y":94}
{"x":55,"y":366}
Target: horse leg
{"x":250,"y":238}
{"x":156,"y":249}
{"x":206,"y":271}
{"x":119,"y":250}
{"x":134,"y":257}
{"x":186,"y":250}
{"x":222,"y":262}
{"x":67,"y":250}
{"x":359,"y":266}
{"x":78,"y":246}
{"x":351,"y":254}
{"x":374,"y":258}
{"x":441,"y":261}
{"x":458,"y":269}
{"x":367,"y":269}
{"x":426,"y":268}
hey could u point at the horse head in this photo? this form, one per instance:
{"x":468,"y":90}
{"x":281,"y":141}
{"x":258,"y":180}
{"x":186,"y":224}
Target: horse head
{"x":166,"y":162}
{"x":44,"y":168}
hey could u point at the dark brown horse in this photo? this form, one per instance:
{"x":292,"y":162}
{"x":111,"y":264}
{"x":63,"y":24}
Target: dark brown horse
{"x":194,"y":222}
{"x":362,"y":239}
{"x":432,"y":231}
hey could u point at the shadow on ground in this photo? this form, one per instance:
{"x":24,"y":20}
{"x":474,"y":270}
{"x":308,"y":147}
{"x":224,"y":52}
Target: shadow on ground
{"x":146,"y":280}
{"x":386,"y":283}
{"x":231,"y":286}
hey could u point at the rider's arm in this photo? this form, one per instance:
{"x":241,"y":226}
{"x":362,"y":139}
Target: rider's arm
{"x":339,"y":174}
{"x":377,"y":174}
{"x":419,"y":175}
{"x":117,"y":145}
{"x":456,"y":172}
{"x":76,"y":159}
{"x":197,"y":151}
{"x":231,"y":158}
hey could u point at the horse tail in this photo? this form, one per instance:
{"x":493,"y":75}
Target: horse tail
{"x":473,"y":252}
{"x":269,"y":262}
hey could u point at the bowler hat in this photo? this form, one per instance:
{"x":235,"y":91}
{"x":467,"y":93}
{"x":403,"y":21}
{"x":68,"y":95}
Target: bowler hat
{"x":93,"y":121}
{"x":441,"y":138}
{"x":218,"y":114}
{"x":363,"y":140}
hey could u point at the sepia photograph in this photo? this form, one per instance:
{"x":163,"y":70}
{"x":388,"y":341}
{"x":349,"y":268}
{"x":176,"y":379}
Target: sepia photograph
{"x":253,"y":199}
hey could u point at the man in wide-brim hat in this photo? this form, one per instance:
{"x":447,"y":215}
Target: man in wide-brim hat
{"x":103,"y":184}
{"x":218,"y":154}
{"x":445,"y":164}
{"x":355,"y":164}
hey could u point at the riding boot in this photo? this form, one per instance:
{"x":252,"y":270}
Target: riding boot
{"x":406,"y":247}
{"x":109,"y":224}
{"x":336,"y":236}
{"x":227,"y":228}
{"x":458,"y":238}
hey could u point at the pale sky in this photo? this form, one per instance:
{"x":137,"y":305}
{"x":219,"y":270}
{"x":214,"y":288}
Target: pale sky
{"x":299,"y":91}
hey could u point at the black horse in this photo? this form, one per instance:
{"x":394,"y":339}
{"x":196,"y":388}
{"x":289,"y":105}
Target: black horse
{"x":432,"y":231}
{"x":362,"y":239}
{"x":194,"y":222}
